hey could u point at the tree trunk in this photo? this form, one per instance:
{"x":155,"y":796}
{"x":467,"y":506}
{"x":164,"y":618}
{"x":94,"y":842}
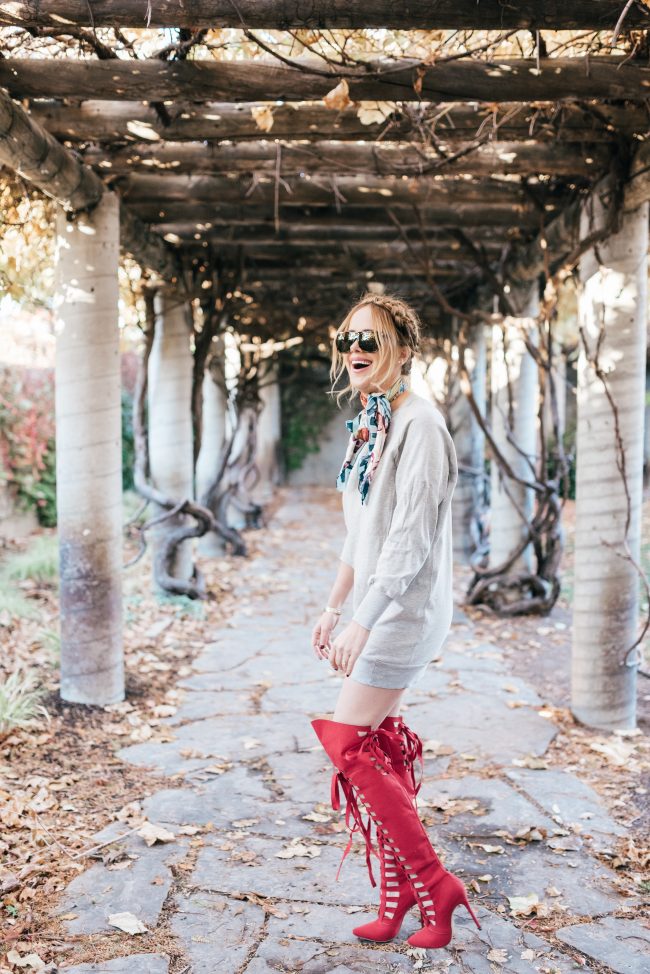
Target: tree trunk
{"x":170,"y":419}
{"x":210,"y":456}
{"x":514,"y":414}
{"x":269,"y":431}
{"x":613,"y":315}
{"x":89,"y":455}
{"x":468,"y":502}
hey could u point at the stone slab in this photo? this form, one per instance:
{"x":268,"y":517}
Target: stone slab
{"x":216,"y":934}
{"x":141,"y":888}
{"x":618,"y":942}
{"x":571,"y":802}
{"x":133,"y":964}
{"x":306,"y":698}
{"x":234,"y":738}
{"x":304,"y":879}
{"x":503,"y":685}
{"x":484,"y":726}
{"x":203,"y":704}
{"x":310,"y":957}
{"x":332,"y":923}
{"x":462,"y":662}
{"x":237,"y":794}
{"x":525,"y":953}
{"x":505,"y":808}
{"x":586,"y":887}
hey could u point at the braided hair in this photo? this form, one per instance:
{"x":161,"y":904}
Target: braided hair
{"x":397,"y":326}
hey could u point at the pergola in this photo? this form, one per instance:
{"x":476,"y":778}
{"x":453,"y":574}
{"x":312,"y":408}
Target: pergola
{"x":465,"y":181}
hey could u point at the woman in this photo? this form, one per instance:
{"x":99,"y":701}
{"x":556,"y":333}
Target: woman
{"x":397,"y":480}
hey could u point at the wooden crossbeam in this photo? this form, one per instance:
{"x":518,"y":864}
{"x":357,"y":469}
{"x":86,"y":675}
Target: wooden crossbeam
{"x":324,"y":190}
{"x":109,"y":121}
{"x":185,"y":218}
{"x":552,"y":79}
{"x":341,"y":158}
{"x":284,"y":14}
{"x":30,"y":151}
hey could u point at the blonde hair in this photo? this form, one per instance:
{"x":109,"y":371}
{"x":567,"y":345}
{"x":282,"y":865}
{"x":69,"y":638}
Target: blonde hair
{"x":396,"y":325}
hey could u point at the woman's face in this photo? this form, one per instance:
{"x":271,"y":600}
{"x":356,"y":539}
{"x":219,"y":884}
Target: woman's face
{"x":361,"y":365}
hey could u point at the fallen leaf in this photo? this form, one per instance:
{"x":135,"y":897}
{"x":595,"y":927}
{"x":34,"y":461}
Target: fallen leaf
{"x":374,"y":112}
{"x":338,"y":98}
{"x":155,"y":833}
{"x":531,"y":761}
{"x":316,"y":817}
{"x":126,"y":922}
{"x":495,"y":850}
{"x":32,"y":960}
{"x":263,"y":117}
{"x":552,"y":891}
{"x":523,"y":906}
{"x":527,"y":954}
{"x":298,"y":850}
{"x":497,"y":955}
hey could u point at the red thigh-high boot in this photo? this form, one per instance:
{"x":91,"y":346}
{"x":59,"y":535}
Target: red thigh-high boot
{"x":360,"y":758}
{"x":403,"y":747}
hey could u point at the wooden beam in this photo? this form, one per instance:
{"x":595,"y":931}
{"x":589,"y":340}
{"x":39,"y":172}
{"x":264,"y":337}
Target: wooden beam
{"x":524,"y":79}
{"x":34,"y":154}
{"x":323,"y":191}
{"x":182,"y":217}
{"x":340,"y":158}
{"x":104,"y":122}
{"x":284,"y":14}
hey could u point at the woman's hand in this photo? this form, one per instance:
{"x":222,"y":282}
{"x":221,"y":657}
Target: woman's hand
{"x":347,"y":647}
{"x":320,"y":637}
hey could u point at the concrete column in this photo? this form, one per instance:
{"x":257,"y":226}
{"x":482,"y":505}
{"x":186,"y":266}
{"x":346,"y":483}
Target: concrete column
{"x":468,"y":500}
{"x":613,"y":320}
{"x":269,"y":432}
{"x":170,"y":417}
{"x":212,"y":442}
{"x":513,"y":414}
{"x":89,"y":455}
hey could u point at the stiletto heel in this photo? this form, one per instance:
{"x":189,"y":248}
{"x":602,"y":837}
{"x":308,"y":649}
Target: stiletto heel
{"x":471,"y":912}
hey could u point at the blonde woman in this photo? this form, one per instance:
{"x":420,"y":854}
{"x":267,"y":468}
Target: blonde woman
{"x":397,"y":480}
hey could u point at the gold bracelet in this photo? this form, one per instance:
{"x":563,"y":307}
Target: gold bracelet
{"x":333,"y":609}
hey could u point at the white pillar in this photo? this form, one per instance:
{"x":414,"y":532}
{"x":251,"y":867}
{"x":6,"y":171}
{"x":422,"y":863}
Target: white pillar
{"x":613,"y":313}
{"x":89,"y":455}
{"x":515,"y":414}
{"x":212,"y":442}
{"x":469,"y":440}
{"x":170,"y":417}
{"x":269,"y":432}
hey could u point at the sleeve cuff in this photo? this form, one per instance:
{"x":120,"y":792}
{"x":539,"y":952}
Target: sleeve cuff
{"x":372,"y":606}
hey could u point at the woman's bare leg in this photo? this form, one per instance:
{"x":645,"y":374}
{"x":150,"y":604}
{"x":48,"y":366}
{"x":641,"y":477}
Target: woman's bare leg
{"x":363,"y":705}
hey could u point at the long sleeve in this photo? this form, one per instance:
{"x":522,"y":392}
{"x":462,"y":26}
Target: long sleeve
{"x":426,"y":462}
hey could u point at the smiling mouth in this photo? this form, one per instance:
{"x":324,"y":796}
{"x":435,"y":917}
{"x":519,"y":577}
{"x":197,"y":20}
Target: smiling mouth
{"x":360,"y":366}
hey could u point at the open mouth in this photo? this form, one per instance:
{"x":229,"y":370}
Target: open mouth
{"x":359,"y":365}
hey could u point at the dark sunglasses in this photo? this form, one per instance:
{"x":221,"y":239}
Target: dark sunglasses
{"x":367,"y":341}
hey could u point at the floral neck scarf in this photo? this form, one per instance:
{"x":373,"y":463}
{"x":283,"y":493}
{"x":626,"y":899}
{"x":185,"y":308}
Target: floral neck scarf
{"x":371,"y":426}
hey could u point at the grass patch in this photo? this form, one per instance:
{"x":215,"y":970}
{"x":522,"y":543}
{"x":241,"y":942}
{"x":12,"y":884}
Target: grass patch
{"x":20,"y":702}
{"x":14,"y":605}
{"x":38,"y":563}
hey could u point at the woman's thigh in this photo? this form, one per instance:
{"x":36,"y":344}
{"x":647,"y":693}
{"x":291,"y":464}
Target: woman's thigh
{"x":361,"y":704}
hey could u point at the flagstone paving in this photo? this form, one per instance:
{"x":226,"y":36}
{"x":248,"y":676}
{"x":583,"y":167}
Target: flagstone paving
{"x":259,"y":895}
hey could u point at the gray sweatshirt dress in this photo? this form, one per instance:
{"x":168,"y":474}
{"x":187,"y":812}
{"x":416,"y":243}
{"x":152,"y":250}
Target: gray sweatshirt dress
{"x":399,"y":545}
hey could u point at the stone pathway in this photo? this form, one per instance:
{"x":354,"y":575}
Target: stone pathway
{"x":257,"y":893}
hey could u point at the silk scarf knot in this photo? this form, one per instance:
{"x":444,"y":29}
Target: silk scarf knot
{"x":369,"y":429}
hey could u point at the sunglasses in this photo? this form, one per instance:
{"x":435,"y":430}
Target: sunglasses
{"x":367,"y":341}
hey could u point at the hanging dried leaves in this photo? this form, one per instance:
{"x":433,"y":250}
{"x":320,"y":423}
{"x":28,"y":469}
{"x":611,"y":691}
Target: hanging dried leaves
{"x":338,"y":98}
{"x":263,"y":117}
